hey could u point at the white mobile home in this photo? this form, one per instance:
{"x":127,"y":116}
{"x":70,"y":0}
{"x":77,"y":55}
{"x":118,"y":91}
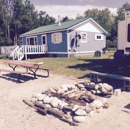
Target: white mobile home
{"x":123,"y":45}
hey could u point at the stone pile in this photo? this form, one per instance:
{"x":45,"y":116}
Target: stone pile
{"x":76,"y":100}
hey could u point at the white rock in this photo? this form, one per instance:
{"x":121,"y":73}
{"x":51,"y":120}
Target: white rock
{"x":108,"y":87}
{"x":93,"y":91}
{"x":92,"y":84}
{"x":68,"y":86}
{"x":34,"y":95}
{"x":37,"y":95}
{"x":91,"y":113}
{"x":52,"y":90}
{"x":80,"y":112}
{"x":33,"y":99}
{"x":72,"y":86}
{"x":117,"y":92}
{"x":97,"y":87}
{"x":60,"y":91}
{"x":88,"y":109}
{"x":45,"y":99}
{"x":47,"y":105}
{"x":64,"y":87}
{"x":93,"y":107}
{"x":81,"y":86}
{"x":79,"y":119}
{"x":55,"y":102}
{"x":61,"y":104}
{"x":97,"y":104}
{"x":75,"y":107}
{"x":103,"y":100}
{"x":40,"y":97}
{"x":41,"y":102}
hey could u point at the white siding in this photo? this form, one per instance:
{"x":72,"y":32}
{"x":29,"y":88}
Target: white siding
{"x":121,"y":35}
{"x":88,"y":27}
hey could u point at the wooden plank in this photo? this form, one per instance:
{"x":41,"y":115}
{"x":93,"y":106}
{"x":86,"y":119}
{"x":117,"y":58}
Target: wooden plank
{"x":111,"y":75}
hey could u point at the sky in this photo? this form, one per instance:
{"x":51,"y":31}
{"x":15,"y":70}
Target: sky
{"x":72,"y":8}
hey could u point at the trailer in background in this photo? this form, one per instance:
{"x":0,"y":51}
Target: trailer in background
{"x":123,"y":42}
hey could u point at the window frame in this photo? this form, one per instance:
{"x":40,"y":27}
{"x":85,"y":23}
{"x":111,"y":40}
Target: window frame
{"x":56,"y":36}
{"x":42,"y":39}
{"x":83,"y":41}
{"x":98,"y":35}
{"x":34,"y":38}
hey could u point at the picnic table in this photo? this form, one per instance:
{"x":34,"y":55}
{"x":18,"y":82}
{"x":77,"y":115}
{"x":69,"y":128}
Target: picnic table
{"x":33,"y":67}
{"x":30,"y":66}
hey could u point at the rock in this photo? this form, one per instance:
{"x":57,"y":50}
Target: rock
{"x":60,"y":91}
{"x":105,"y":105}
{"x":103,"y":100}
{"x":80,"y":112}
{"x":52,"y":90}
{"x":37,"y":95}
{"x":45,"y":99}
{"x":93,"y":107}
{"x":72,"y":86}
{"x":61,"y":104}
{"x":82,"y":89}
{"x":99,"y":110}
{"x":54,"y":102}
{"x":81,"y":86}
{"x":33,"y":99}
{"x":79,"y":119}
{"x":98,"y":92}
{"x":48,"y":100}
{"x":64,"y":87}
{"x":93,"y":91}
{"x":88,"y":109}
{"x":48,"y":105}
{"x":34,"y":95}
{"x":75,"y":107}
{"x":117,"y":92}
{"x":108,"y":87}
{"x":90,"y":85}
{"x":40,"y":97}
{"x":97,"y":104}
{"x":96,"y":87}
{"x":91,"y":113}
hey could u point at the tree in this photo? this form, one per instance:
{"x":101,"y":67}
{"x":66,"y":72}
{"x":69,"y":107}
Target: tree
{"x":64,"y":19}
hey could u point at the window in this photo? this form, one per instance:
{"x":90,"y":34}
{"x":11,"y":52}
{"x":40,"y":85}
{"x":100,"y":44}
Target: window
{"x":32,"y":40}
{"x":128,"y":34}
{"x":83,"y":37}
{"x":43,"y":39}
{"x":98,"y":37}
{"x":56,"y":37}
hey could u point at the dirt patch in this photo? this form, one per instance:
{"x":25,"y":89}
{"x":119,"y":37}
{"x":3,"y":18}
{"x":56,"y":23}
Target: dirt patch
{"x":16,"y":115}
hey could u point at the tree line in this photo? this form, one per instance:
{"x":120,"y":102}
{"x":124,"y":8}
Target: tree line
{"x":18,"y":17}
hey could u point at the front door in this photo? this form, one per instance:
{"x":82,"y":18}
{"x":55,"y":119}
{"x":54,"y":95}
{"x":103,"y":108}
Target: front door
{"x":44,"y":42}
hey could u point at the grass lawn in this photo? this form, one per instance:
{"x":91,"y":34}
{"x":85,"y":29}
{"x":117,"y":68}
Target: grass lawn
{"x":80,"y":67}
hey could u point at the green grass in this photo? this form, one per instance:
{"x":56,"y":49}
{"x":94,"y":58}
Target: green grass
{"x":78,"y":67}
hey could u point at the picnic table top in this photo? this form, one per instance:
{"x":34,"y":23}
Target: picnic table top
{"x":24,"y":63}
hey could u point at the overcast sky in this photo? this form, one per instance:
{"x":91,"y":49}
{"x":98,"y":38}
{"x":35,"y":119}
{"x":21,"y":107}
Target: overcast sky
{"x":71,"y":8}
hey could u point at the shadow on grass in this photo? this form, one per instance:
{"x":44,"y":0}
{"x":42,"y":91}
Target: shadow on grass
{"x":104,"y":66}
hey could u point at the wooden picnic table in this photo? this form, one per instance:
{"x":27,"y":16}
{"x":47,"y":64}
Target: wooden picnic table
{"x":33,"y":67}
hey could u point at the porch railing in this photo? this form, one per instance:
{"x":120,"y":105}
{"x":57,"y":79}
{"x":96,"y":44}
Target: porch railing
{"x":35,"y":49}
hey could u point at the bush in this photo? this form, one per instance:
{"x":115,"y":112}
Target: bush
{"x":3,"y":56}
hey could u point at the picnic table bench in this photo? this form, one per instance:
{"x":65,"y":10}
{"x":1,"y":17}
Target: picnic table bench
{"x":94,"y":78}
